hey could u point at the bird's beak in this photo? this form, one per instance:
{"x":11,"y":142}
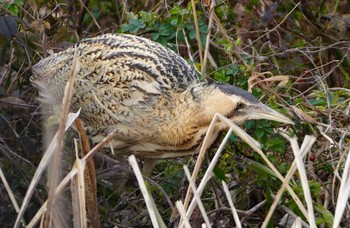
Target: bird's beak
{"x":262,"y":111}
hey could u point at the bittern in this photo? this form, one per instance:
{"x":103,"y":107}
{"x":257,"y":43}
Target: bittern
{"x":147,"y":93}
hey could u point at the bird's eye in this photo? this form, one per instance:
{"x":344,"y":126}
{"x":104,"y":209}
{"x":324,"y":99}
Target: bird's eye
{"x":240,"y":105}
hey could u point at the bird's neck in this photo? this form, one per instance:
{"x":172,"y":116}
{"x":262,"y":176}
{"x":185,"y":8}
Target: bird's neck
{"x":189,"y":107}
{"x":189,"y":120}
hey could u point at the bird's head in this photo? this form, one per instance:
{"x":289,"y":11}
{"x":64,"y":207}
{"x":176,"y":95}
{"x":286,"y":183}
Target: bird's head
{"x":238,"y":105}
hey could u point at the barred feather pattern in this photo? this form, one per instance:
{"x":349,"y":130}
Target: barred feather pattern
{"x":145,"y":91}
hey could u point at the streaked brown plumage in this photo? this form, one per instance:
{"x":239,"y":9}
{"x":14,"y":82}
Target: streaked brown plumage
{"x":147,"y":92}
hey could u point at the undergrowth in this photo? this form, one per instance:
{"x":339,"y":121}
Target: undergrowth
{"x":292,"y":55}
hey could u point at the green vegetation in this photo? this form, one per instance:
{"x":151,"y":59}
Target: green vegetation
{"x":293,"y":56}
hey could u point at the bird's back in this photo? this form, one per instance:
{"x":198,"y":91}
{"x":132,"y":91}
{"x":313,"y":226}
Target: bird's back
{"x":114,"y":59}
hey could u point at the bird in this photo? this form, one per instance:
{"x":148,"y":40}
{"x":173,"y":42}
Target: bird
{"x":145,"y":92}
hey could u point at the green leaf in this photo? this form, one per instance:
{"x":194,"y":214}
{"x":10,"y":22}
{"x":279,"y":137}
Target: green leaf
{"x":321,"y":102}
{"x":270,"y":130}
{"x":134,"y":21}
{"x":259,"y":168}
{"x":164,"y":33}
{"x":180,"y":35}
{"x":203,"y":39}
{"x":203,"y":28}
{"x":162,"y":40}
{"x":164,"y":26}
{"x":281,"y":148}
{"x":142,"y":25}
{"x":259,"y":133}
{"x":219,"y":173}
{"x":134,"y":29}
{"x":233,"y":70}
{"x":14,"y":9}
{"x":233,"y":138}
{"x":276,"y":144}
{"x":192,"y":34}
{"x":172,"y":34}
{"x":155,"y":36}
{"x":221,"y":76}
{"x":326,"y":214}
{"x":174,"y":21}
{"x":249,"y":124}
{"x":125,"y":28}
{"x":283,"y":167}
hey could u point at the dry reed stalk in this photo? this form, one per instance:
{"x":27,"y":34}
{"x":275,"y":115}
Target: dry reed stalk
{"x":305,"y":148}
{"x":197,"y":197}
{"x":55,"y":175}
{"x":156,"y":219}
{"x":233,"y":209}
{"x":253,"y":144}
{"x":343,"y":194}
{"x":90,"y":177}
{"x":78,"y":191}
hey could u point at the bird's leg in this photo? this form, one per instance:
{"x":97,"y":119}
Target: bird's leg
{"x":148,"y":165}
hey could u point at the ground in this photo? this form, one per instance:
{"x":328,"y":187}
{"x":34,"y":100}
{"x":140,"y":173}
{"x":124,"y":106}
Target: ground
{"x":292,"y":55}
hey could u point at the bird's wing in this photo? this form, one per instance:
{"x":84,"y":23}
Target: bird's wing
{"x":162,"y":64}
{"x":116,"y":60}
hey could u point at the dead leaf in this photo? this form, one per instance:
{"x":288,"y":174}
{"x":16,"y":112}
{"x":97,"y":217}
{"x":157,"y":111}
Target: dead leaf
{"x":303,"y":115}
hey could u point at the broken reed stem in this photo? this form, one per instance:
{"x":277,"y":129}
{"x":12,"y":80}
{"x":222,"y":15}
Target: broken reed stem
{"x":68,"y":178}
{"x":90,"y":177}
{"x":78,"y":191}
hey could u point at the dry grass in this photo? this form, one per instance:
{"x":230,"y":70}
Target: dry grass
{"x":76,"y":177}
{"x":294,"y":76}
